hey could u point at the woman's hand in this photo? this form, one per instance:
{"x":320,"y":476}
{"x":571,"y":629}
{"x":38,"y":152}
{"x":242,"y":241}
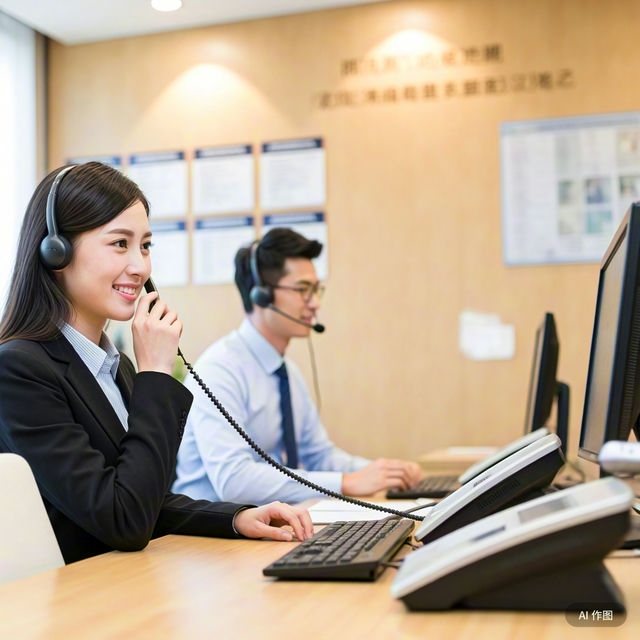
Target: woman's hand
{"x":156,"y":333}
{"x":267,"y":522}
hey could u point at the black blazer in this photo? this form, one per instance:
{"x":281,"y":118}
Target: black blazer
{"x":104,"y":487}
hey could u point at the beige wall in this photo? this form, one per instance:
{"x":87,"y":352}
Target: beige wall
{"x":413,"y":208}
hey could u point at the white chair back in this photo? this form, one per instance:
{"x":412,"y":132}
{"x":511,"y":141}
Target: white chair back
{"x":27,"y":542}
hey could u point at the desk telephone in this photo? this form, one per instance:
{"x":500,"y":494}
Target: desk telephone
{"x":544,"y":554}
{"x":513,"y":479}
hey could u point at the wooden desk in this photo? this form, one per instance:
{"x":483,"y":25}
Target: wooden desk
{"x":192,"y":588}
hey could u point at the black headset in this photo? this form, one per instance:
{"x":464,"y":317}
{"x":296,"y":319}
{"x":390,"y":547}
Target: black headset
{"x":55,"y":250}
{"x":260,"y":294}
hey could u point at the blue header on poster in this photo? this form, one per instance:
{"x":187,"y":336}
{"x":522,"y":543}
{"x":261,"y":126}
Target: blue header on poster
{"x":112,"y":161}
{"x":222,"y":223}
{"x":157,"y":156}
{"x":223,"y":152}
{"x":302,"y":144}
{"x":282,"y":219}
{"x":164,"y":227}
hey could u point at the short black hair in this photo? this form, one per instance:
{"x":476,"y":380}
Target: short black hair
{"x":276,"y":246}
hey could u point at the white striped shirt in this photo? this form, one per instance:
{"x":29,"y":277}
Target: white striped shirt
{"x":102,"y":361}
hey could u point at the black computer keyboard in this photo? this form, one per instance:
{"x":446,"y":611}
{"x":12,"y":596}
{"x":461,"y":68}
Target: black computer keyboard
{"x":344,"y":551}
{"x":437,"y":486}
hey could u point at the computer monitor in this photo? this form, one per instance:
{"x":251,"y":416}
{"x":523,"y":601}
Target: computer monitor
{"x":612,"y":395}
{"x":544,"y":388}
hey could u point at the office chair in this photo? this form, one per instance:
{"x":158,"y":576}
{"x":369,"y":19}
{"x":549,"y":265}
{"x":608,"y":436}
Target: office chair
{"x":27,"y":542}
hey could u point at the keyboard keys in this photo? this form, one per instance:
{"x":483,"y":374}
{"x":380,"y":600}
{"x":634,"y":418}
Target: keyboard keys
{"x":344,"y":551}
{"x":436,"y":486}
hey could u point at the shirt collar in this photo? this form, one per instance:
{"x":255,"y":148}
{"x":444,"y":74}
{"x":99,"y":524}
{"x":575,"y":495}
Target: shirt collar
{"x":96,"y":357}
{"x":261,"y":349}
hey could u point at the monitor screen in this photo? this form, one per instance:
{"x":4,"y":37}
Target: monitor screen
{"x":544,"y":387}
{"x":611,"y":404}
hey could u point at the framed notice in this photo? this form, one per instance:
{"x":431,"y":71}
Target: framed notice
{"x":566,"y":184}
{"x":169,"y":253}
{"x":215,"y":243}
{"x":292,"y":174}
{"x":163,"y":179}
{"x":223,"y":180}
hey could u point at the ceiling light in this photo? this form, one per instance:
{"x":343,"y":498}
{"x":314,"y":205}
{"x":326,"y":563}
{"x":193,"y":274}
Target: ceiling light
{"x":166,"y":5}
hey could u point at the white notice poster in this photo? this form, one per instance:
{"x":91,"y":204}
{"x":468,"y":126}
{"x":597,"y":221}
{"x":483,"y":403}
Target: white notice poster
{"x":223,"y":180}
{"x":163,"y":180}
{"x":215,"y":243}
{"x":169,"y":254}
{"x":566,"y":184}
{"x":292,"y":174}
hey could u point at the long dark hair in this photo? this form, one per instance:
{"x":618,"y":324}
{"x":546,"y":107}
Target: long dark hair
{"x":88,"y":196}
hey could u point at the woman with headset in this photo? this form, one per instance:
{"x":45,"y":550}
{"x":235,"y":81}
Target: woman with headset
{"x":101,"y":435}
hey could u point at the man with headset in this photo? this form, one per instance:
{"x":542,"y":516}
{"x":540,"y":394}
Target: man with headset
{"x":281,"y":294}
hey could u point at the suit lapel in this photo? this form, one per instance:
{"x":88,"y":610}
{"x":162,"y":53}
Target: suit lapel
{"x":87,"y":388}
{"x":124,"y":378}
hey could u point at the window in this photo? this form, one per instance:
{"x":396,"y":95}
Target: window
{"x":18,"y":138}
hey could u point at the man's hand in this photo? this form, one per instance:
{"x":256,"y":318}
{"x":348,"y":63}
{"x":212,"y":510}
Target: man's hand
{"x":380,"y":475}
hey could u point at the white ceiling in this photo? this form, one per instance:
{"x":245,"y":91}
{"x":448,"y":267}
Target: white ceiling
{"x":80,"y":21}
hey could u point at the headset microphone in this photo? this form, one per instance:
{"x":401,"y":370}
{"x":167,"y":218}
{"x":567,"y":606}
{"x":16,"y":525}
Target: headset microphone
{"x":317,"y":327}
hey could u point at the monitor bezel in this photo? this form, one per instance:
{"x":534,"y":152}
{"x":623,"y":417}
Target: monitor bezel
{"x":544,"y":386}
{"x":622,"y":403}
{"x":544,"y":372}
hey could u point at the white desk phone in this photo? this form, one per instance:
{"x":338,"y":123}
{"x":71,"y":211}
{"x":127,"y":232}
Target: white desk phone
{"x":542,"y":554}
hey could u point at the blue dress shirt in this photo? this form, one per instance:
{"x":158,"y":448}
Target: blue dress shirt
{"x":215,"y":463}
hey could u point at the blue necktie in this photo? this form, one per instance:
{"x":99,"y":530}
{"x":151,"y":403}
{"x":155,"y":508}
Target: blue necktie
{"x":288,"y":434}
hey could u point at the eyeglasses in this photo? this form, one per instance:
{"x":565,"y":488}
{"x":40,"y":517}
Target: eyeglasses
{"x":307,"y":291}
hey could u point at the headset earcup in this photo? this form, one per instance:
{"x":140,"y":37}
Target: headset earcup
{"x":261,"y":296}
{"x":55,"y":252}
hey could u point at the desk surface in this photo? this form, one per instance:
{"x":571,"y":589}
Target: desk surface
{"x":189,"y":587}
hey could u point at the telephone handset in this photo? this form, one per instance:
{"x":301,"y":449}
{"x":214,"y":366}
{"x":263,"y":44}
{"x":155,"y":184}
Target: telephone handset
{"x":482,"y":465}
{"x":545,"y":554}
{"x":149,"y":287}
{"x":516,"y":478}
